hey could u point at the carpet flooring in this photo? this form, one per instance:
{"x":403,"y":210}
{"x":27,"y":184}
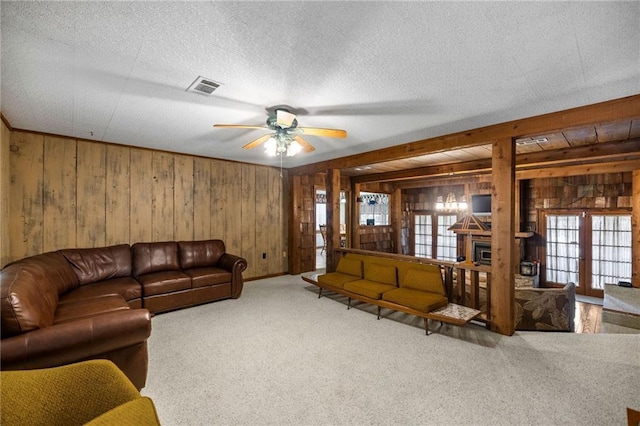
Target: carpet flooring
{"x":278,"y":355}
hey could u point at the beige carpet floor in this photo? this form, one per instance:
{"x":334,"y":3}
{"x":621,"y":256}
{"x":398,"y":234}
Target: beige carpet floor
{"x":281,"y":356}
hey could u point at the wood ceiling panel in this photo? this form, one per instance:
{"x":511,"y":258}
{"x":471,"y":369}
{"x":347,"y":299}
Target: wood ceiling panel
{"x":635,"y":129}
{"x":611,"y":132}
{"x":582,"y":136}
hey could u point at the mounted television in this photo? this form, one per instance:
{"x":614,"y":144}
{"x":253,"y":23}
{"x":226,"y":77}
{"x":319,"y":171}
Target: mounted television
{"x":481,"y":204}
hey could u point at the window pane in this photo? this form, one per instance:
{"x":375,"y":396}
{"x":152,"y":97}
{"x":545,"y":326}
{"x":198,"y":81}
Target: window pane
{"x":446,"y":240}
{"x":611,"y":250}
{"x":423,"y":236}
{"x":562,"y":249}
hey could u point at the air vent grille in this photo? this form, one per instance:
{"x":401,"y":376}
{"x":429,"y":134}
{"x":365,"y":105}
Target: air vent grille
{"x":204,"y":86}
{"x":521,"y":142}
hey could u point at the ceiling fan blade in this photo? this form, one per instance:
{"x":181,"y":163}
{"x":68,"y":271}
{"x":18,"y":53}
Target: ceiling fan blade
{"x":306,"y":146}
{"x":239,"y":126}
{"x":284,"y":119}
{"x":257,"y":142}
{"x":316,"y":131}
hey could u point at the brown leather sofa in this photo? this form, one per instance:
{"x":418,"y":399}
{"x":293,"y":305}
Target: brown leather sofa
{"x":78,"y":304}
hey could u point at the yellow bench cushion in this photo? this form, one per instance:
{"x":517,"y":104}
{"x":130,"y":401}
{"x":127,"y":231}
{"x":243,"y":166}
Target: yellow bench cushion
{"x":419,"y":300}
{"x":336,"y":279}
{"x":350,"y":267}
{"x":370,"y":289}
{"x":381,"y":274}
{"x":430,"y":280}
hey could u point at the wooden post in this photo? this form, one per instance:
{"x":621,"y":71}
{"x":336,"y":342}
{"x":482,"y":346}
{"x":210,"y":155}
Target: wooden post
{"x":333,"y":217}
{"x":355,"y":216}
{"x":502,"y":302}
{"x":396,"y":219}
{"x":635,"y":230}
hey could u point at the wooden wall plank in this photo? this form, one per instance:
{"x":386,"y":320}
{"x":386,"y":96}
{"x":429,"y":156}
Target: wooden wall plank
{"x":233,"y":204}
{"x":274,"y":219}
{"x":27,"y":159}
{"x":219,"y":193}
{"x":91,"y":194}
{"x":5,"y":190}
{"x":183,"y":198}
{"x":263,"y":227}
{"x":248,"y":215}
{"x":162,"y":208}
{"x":202,"y":198}
{"x":59,"y":222}
{"x":118,"y":179}
{"x":140,"y":224}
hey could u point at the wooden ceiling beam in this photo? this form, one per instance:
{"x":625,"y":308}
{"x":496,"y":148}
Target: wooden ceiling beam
{"x":584,"y":153}
{"x":603,"y":112}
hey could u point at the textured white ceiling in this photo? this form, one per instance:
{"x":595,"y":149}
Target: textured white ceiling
{"x":387,"y":72}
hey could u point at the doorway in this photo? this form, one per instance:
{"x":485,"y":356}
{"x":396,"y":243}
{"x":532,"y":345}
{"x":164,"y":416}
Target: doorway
{"x":588,"y":248}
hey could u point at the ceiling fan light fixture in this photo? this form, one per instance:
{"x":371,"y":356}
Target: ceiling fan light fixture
{"x":293,"y":148}
{"x":271,"y":147}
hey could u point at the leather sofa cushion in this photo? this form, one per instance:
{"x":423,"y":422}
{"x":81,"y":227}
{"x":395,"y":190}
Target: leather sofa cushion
{"x":198,"y":254}
{"x":84,"y":308}
{"x":164,"y":282}
{"x":427,"y":280}
{"x":126,"y":287}
{"x":202,"y":277}
{"x":381,"y":273}
{"x":419,"y":300}
{"x":98,"y":264}
{"x":370,"y":289}
{"x":350,"y":266}
{"x":29,"y":292}
{"x":155,"y":257}
{"x":336,"y":279}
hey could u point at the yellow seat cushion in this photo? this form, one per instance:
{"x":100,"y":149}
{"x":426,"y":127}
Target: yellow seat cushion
{"x":419,"y":300}
{"x":370,"y":289}
{"x":336,"y":279}
{"x":350,"y":266}
{"x":381,"y":274}
{"x":424,"y":280}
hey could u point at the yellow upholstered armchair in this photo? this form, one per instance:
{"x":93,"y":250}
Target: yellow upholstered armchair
{"x":92,"y":392}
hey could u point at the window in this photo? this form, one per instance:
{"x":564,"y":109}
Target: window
{"x":374,"y":208}
{"x":438,"y":238}
{"x":423,"y":236}
{"x":588,"y":249}
{"x":562,"y":249}
{"x":611,"y":250}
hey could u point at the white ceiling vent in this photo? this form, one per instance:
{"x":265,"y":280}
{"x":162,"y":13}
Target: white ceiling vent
{"x":204,"y":86}
{"x":521,"y":142}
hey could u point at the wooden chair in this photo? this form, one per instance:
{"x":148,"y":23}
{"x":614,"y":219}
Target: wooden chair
{"x":323,"y":232}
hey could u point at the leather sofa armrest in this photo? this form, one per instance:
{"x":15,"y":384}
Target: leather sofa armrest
{"x":235,"y":265}
{"x":230,"y":262}
{"x":77,"y":340}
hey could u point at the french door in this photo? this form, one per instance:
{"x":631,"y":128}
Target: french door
{"x":588,"y":248}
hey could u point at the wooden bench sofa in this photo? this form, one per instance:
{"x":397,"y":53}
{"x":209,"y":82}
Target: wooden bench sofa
{"x":401,"y":285}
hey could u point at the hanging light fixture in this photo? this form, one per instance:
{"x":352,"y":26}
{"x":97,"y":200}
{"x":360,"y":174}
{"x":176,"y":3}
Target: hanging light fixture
{"x":450,"y":204}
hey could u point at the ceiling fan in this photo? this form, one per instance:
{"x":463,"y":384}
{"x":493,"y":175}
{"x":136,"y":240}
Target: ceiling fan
{"x":286,"y":137}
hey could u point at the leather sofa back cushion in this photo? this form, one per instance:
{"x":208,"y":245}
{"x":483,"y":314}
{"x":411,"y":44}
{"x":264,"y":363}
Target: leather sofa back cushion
{"x":29,"y":292}
{"x":430,"y":281}
{"x":98,"y":264}
{"x":350,"y":267}
{"x":380,"y":273}
{"x":155,"y":257}
{"x":199,"y":254}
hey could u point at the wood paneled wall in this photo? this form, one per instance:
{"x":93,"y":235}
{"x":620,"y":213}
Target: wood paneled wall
{"x":5,"y":137}
{"x":65,"y":193}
